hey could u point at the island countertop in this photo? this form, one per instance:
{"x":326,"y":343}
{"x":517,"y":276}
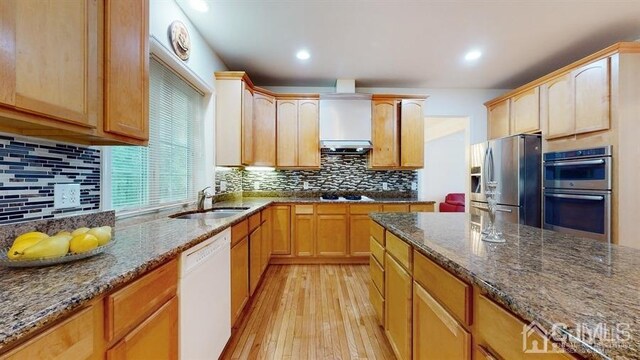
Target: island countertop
{"x":539,"y":275}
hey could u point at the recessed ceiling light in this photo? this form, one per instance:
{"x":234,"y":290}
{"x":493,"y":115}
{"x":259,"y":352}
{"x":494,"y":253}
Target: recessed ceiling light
{"x":303,"y":55}
{"x":199,"y":5}
{"x":473,"y":55}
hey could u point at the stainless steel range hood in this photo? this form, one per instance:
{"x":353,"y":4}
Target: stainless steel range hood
{"x":345,"y":123}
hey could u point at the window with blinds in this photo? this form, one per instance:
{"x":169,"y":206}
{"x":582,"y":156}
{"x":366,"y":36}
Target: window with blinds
{"x":162,"y":173}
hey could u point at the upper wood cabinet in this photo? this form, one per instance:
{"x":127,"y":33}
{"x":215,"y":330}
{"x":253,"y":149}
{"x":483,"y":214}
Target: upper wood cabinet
{"x":525,"y":111}
{"x":498,"y":119}
{"x":264,"y":130}
{"x":57,"y":55}
{"x":558,"y":94}
{"x":233,"y":100}
{"x":397,"y":132}
{"x":126,"y":69}
{"x":247,"y":125}
{"x":384,"y":134}
{"x":298,"y":141}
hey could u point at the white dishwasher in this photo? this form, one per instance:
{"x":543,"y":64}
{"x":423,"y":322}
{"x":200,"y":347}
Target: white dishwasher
{"x":205,"y":298}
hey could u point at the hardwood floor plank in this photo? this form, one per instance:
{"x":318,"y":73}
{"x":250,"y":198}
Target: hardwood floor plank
{"x":310,"y":312}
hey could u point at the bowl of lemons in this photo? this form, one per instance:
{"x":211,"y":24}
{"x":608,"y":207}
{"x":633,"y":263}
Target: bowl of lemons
{"x":36,"y":248}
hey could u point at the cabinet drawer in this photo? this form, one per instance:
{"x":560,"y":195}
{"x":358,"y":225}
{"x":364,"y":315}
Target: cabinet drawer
{"x":266,"y":215}
{"x":304,"y":209}
{"x":254,"y":221}
{"x":450,"y":291}
{"x":377,"y":232}
{"x":331,"y":209}
{"x":399,"y":249}
{"x":363,"y":209}
{"x":395,"y":207}
{"x":377,"y":301}
{"x":377,"y":274}
{"x":128,"y":306}
{"x":72,"y":339}
{"x":421,"y":208}
{"x":239,"y":231}
{"x":377,"y":250}
{"x":502,"y":332}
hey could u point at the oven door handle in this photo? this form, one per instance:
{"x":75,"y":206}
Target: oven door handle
{"x":574,"y":163}
{"x":578,"y":197}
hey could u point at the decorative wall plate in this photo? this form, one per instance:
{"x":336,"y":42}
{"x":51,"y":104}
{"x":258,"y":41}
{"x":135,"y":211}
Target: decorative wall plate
{"x":180,"y":40}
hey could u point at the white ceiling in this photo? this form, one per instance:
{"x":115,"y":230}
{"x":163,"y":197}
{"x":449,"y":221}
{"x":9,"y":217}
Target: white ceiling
{"x":387,"y":43}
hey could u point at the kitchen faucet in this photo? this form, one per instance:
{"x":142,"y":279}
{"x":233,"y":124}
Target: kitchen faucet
{"x":202,"y":195}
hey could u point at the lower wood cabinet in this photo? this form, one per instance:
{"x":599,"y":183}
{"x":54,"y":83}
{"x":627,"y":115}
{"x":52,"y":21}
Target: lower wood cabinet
{"x":436,"y":334}
{"x":281,"y":222}
{"x":239,"y":278}
{"x":267,"y":235}
{"x":332,"y":235}
{"x":155,"y":338}
{"x":304,"y":234}
{"x":398,"y":307}
{"x":255,"y":259}
{"x":359,"y":232}
{"x":395,"y":208}
{"x":421,"y":208}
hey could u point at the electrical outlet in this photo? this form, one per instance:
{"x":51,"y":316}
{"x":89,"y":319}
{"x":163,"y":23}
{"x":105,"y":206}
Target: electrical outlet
{"x":385,"y":186}
{"x":414,"y":186}
{"x":223,"y":186}
{"x":66,"y":196}
{"x":305,"y":185}
{"x":256,"y":186}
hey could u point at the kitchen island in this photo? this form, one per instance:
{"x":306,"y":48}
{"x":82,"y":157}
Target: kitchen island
{"x":587,"y":291}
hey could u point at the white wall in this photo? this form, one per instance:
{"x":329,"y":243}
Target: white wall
{"x":202,"y":63}
{"x":445,"y":167}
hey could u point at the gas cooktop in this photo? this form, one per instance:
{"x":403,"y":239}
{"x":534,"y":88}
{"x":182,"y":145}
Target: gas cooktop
{"x":331,"y":197}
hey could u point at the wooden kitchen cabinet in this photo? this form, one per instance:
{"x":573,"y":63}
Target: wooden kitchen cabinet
{"x":359,"y":228}
{"x":298,"y":137}
{"x":384,"y":134}
{"x":395,"y":208}
{"x":255,"y":259}
{"x":267,"y":234}
{"x":525,"y":112}
{"x":398,"y":307}
{"x":498,"y":119}
{"x":155,"y":338}
{"x":559,"y":107}
{"x":421,"y":207}
{"x":264,"y":130}
{"x":126,"y":69}
{"x":239,"y":278}
{"x":436,"y":334}
{"x":304,"y":230}
{"x":591,"y":86}
{"x":234,"y":113}
{"x":332,"y":235}
{"x":412,"y":133}
{"x":247,"y":125}
{"x":281,"y":223}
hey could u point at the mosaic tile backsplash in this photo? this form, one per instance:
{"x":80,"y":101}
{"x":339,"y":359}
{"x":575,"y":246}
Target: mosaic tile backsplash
{"x":29,"y":168}
{"x":337,"y":173}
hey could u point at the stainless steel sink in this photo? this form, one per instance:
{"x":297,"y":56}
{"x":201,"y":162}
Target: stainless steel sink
{"x":216,"y":213}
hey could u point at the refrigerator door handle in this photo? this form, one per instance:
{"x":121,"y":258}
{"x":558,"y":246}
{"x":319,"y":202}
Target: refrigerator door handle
{"x":505,"y":210}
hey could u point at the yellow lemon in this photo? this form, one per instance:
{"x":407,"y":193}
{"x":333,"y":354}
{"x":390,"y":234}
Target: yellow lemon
{"x":103,"y":234}
{"x":24,"y":241}
{"x":79,"y":231}
{"x":83,"y":243}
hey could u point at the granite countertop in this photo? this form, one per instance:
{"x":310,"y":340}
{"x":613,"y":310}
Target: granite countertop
{"x":32,"y":298}
{"x":540,"y":275}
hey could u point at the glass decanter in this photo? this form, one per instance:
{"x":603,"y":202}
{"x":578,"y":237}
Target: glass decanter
{"x":490,"y":233}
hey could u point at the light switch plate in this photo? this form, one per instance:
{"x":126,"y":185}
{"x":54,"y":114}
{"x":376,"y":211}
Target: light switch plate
{"x":66,"y":196}
{"x":223,"y":186}
{"x":305,"y":185}
{"x":385,"y":186}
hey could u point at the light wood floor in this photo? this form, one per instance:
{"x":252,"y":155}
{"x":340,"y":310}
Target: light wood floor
{"x":311,"y":312}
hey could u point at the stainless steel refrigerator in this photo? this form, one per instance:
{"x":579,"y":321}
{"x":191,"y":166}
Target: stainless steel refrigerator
{"x":515,"y":163}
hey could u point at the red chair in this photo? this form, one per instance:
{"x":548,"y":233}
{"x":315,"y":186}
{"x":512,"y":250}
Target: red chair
{"x":453,"y":202}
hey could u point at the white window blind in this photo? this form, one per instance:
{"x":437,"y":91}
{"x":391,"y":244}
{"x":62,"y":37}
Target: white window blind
{"x":162,"y":173}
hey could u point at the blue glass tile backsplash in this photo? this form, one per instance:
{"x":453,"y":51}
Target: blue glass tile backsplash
{"x":29,"y":168}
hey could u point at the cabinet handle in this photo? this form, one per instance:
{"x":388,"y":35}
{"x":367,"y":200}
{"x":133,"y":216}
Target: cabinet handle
{"x":486,"y":353}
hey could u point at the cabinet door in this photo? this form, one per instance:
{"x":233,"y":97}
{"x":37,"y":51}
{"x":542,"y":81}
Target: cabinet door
{"x":281,"y":222}
{"x":498,"y":121}
{"x":264,"y":130}
{"x":239,"y":278}
{"x":155,"y":338}
{"x":126,"y":68}
{"x":397,"y":307}
{"x":255,"y":259}
{"x":412,"y":134}
{"x":591,"y":83}
{"x":384,"y":134}
{"x":8,"y":54}
{"x":266,"y":229}
{"x":525,"y":112}
{"x":55,"y":59}
{"x":436,"y":334}
{"x":247,"y":125}
{"x":287,"y":133}
{"x":331,"y":239}
{"x":559,"y":107}
{"x":304,"y":235}
{"x":308,"y":134}
{"x":359,"y":235}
